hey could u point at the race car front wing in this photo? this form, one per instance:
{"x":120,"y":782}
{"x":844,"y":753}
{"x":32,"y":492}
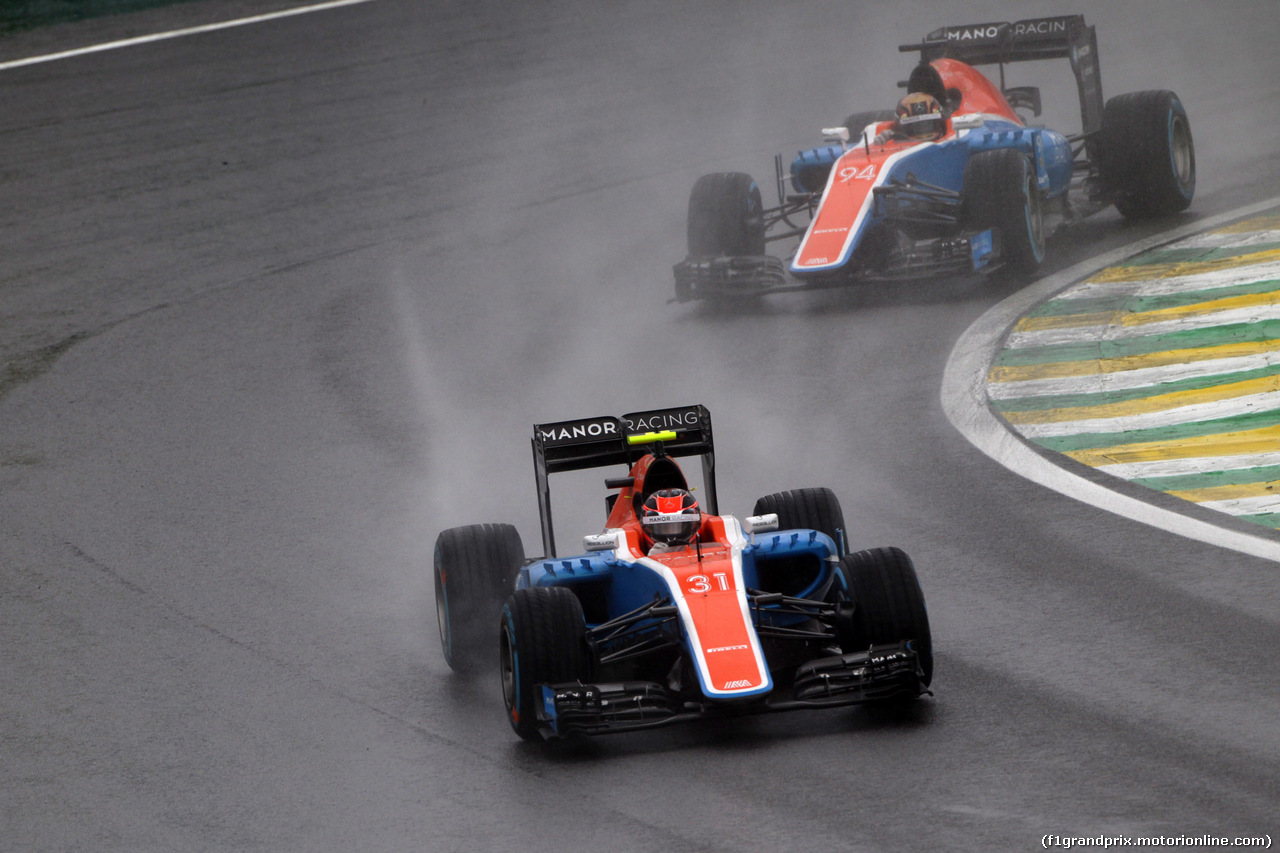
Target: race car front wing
{"x":756,"y":275}
{"x":742,"y":275}
{"x":880,"y":672}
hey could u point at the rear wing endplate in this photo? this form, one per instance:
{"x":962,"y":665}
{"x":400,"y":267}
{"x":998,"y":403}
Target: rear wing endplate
{"x":1065,"y":36}
{"x":608,"y":440}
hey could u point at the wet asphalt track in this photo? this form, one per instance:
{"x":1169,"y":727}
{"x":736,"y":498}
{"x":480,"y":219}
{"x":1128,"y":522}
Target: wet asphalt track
{"x":277,"y":304}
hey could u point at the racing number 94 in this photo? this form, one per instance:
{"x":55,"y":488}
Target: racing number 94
{"x":852,"y":173}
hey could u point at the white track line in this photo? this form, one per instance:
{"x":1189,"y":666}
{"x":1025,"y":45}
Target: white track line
{"x":1230,"y":407}
{"x":1127,"y":380}
{"x":1114,"y":332}
{"x":173,"y":34}
{"x":964,"y":399}
{"x":1180,"y":284}
{"x":1194,"y":465}
{"x":1245,"y":506}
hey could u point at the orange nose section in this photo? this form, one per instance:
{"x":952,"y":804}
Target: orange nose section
{"x":720,"y":621}
{"x":725,"y":642}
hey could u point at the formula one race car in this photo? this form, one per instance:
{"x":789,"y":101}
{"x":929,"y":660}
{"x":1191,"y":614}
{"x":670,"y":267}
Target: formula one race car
{"x":674,"y":612}
{"x":952,"y":182}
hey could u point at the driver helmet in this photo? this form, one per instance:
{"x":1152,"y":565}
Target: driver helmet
{"x":671,"y":516}
{"x":920,"y":116}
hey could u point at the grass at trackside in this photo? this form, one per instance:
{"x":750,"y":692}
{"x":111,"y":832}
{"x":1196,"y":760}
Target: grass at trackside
{"x":18,"y":15}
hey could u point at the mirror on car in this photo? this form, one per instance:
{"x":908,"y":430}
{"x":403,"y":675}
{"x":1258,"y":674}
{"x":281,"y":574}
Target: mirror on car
{"x":610,"y":541}
{"x":760,"y":523}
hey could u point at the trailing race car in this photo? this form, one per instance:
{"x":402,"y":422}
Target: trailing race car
{"x":953,"y":182}
{"x":674,"y":612}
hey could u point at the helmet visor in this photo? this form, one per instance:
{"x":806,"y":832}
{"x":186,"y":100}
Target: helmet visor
{"x":928,"y":124}
{"x":672,"y":527}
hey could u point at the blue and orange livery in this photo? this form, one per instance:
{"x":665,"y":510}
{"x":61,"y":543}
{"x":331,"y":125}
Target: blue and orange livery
{"x":980,"y":196}
{"x":765,"y":613}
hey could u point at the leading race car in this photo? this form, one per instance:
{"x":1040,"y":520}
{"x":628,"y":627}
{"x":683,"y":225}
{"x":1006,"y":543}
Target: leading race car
{"x":674,"y":612}
{"x":953,"y":182}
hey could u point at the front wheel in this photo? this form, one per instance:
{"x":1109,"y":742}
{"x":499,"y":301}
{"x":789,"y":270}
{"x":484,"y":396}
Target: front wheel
{"x":542,"y":641}
{"x":1146,"y":156}
{"x":888,"y":604}
{"x":726,"y":216}
{"x":1001,"y":191}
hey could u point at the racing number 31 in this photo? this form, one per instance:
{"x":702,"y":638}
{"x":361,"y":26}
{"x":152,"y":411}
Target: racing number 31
{"x":702,"y":583}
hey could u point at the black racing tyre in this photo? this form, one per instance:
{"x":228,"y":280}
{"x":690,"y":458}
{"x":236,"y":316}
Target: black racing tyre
{"x":888,"y":604}
{"x":858,"y":122}
{"x":726,"y":216}
{"x":812,"y":509}
{"x":1146,"y":156}
{"x":543,"y":640}
{"x":475,"y":569}
{"x":1001,"y":191}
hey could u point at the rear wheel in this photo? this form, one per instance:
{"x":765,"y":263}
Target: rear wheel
{"x":888,"y":604}
{"x":812,"y":509}
{"x":726,"y":216}
{"x":1146,"y":156}
{"x":542,"y":641}
{"x":475,"y":569}
{"x":1001,"y":191}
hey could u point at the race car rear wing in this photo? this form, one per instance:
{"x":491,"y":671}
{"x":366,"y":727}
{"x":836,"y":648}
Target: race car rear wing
{"x":608,"y":440}
{"x":1023,"y":41}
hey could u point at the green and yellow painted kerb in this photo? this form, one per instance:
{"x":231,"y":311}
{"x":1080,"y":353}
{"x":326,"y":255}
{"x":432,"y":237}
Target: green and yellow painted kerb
{"x":1164,"y":370}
